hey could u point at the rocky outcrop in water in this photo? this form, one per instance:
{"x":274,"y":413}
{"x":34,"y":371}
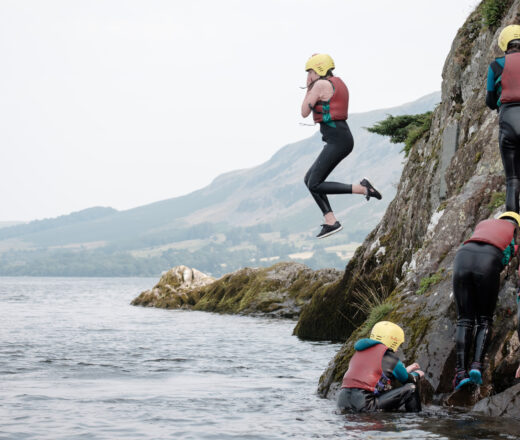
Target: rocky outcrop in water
{"x":453,"y":179}
{"x":177,"y":288}
{"x":278,"y":291}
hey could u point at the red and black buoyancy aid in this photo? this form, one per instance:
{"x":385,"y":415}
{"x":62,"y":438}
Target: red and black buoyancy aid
{"x":365,"y":369}
{"x":497,"y":232}
{"x":510,"y":79}
{"x":336,"y":108}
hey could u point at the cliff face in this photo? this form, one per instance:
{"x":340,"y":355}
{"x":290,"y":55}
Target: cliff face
{"x":452,"y":180}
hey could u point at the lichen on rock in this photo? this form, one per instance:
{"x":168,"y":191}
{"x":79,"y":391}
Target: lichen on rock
{"x":178,"y":287}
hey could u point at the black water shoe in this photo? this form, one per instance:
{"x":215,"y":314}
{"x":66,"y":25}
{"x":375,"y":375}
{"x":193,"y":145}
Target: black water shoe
{"x":327,"y":230}
{"x":371,"y":191}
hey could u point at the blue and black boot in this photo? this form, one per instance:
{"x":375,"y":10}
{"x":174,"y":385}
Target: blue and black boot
{"x":475,"y":373}
{"x":461,"y":378}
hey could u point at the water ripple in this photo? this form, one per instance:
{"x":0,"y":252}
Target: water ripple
{"x":72,"y":369}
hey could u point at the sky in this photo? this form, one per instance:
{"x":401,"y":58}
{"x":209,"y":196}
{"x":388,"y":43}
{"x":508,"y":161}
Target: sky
{"x":122,"y":103}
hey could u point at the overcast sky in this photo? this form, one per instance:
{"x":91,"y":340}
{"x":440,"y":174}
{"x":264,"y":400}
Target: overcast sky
{"x":123,"y":103}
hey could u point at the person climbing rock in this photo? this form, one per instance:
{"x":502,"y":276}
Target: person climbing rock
{"x":517,"y":375}
{"x":503,"y":94}
{"x":367,"y":383}
{"x":327,"y":98}
{"x":476,"y":282}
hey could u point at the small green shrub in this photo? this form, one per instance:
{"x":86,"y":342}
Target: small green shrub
{"x":405,"y":128}
{"x":493,"y":11}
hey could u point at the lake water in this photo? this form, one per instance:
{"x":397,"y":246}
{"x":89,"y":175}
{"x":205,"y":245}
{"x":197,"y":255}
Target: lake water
{"x":78,"y":362}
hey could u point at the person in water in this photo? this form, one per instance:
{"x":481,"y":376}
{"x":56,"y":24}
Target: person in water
{"x":476,"y":282}
{"x":327,"y":98}
{"x":367,"y":383}
{"x":503,"y":94}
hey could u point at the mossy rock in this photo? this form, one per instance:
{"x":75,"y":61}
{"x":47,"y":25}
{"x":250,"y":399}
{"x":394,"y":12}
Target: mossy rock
{"x":280,"y":290}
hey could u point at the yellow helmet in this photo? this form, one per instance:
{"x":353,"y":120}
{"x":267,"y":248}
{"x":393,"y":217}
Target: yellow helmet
{"x":511,"y":215}
{"x":388,"y":333}
{"x":321,"y":63}
{"x":508,"y":34}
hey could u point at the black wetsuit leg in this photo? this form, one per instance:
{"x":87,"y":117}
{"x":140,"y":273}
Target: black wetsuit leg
{"x":407,"y":395}
{"x":476,"y":281}
{"x":358,"y":400}
{"x":339,"y":144}
{"x":509,"y":141}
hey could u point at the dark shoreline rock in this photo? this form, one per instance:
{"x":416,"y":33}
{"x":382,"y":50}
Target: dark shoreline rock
{"x":504,"y":404}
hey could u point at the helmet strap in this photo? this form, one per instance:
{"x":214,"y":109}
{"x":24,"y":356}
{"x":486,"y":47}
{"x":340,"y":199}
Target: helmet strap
{"x":311,"y":84}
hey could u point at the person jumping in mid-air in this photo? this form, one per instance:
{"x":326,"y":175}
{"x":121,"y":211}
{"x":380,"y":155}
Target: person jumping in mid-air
{"x":327,"y":99}
{"x":503,"y":94}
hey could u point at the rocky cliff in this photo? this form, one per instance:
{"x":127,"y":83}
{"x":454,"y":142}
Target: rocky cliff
{"x":452,"y":180}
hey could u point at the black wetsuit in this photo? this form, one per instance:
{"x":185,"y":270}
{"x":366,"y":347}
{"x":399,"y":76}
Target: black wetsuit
{"x":338,"y":145}
{"x":476,"y":282}
{"x":509,"y":133}
{"x":384,"y":398}
{"x":509,"y":142}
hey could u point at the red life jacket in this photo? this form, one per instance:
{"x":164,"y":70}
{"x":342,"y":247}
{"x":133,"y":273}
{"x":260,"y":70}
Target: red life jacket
{"x":497,"y":232}
{"x":365,"y":369}
{"x":336,"y":108}
{"x":511,"y":78}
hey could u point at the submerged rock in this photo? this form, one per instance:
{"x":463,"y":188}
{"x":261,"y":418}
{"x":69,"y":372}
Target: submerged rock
{"x":279,"y":291}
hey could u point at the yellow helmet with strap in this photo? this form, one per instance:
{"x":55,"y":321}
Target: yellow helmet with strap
{"x":508,"y":34}
{"x":511,"y":215}
{"x":388,"y":333}
{"x":321,"y":63}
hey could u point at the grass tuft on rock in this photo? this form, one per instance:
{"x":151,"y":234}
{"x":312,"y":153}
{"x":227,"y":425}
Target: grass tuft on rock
{"x":427,"y":282}
{"x":376,"y":314}
{"x":493,"y":11}
{"x":497,"y":199}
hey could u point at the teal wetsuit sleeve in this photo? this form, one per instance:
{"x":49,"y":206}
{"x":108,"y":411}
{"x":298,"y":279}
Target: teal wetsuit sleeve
{"x":490,"y":80}
{"x":400,"y":372}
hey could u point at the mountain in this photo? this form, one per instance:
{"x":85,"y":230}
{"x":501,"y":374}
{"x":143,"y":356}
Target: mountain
{"x":246,"y":217}
{"x":7,"y":224}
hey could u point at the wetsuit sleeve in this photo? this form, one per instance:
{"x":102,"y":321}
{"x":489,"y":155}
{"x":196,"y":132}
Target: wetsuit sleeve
{"x":490,"y":80}
{"x":401,"y":374}
{"x":491,"y":95}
